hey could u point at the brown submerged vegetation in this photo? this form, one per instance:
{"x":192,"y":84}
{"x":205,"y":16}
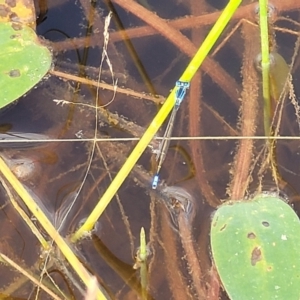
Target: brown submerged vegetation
{"x":214,"y":156}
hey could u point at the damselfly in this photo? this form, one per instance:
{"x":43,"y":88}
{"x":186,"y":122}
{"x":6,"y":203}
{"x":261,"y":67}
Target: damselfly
{"x":181,"y":87}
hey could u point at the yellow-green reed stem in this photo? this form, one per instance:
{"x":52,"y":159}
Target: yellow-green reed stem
{"x":26,"y":219}
{"x":143,"y":273}
{"x":143,"y":261}
{"x":265,"y":63}
{"x":47,"y":225}
{"x":5,"y":259}
{"x":143,"y":245}
{"x":158,"y":120}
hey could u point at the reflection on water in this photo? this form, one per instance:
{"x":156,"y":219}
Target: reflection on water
{"x":180,"y":201}
{"x":67,"y":178}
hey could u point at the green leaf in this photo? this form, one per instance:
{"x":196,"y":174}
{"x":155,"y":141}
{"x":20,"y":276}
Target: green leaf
{"x":255,"y":246}
{"x":23,"y":61}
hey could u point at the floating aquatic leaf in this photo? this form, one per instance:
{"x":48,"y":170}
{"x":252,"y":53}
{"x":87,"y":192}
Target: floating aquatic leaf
{"x":21,"y":11}
{"x":23,"y":61}
{"x":255,"y":246}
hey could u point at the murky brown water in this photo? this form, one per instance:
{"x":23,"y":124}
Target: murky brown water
{"x":67,"y":178}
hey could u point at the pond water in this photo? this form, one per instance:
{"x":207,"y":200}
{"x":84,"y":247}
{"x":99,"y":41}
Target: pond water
{"x":208,"y":161}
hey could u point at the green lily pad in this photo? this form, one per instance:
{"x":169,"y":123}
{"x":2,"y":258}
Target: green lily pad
{"x":255,"y":246}
{"x":24,"y":61}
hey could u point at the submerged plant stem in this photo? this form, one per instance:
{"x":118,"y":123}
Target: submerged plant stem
{"x":158,"y":120}
{"x":47,"y":225}
{"x":191,"y":256}
{"x":217,"y":73}
{"x":248,"y":116}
